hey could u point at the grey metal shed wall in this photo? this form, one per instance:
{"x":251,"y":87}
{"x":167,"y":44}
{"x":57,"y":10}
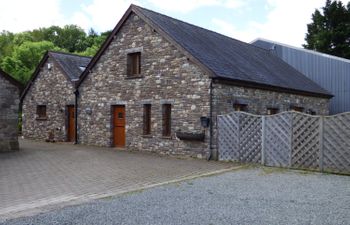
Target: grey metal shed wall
{"x":331,"y":73}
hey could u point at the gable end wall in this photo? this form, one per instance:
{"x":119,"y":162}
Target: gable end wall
{"x":53,"y":89}
{"x":167,"y":77}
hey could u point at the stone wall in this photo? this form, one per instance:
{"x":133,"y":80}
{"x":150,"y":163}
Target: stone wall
{"x":258,"y":100}
{"x":167,"y":76}
{"x":53,"y":89}
{"x":9,"y":104}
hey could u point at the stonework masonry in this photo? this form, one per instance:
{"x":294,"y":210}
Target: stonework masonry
{"x":52,"y":89}
{"x":9,"y":104}
{"x":258,"y":100}
{"x":167,"y":76}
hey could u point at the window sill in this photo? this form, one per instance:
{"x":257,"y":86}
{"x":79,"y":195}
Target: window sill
{"x":147,"y":136}
{"x":41,"y":118}
{"x":130,"y":77}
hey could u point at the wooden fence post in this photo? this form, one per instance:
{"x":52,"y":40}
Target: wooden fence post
{"x":263,"y":139}
{"x":321,"y":143}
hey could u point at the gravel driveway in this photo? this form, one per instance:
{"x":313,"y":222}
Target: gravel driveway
{"x":246,"y":196}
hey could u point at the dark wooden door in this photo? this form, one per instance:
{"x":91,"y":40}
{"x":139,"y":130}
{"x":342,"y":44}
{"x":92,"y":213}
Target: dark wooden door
{"x":119,"y":126}
{"x":70,"y":124}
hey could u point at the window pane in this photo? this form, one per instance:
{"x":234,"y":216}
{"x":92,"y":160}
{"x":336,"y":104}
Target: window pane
{"x":134,"y":64}
{"x":41,"y":111}
{"x":296,"y":108}
{"x":271,"y":111}
{"x":240,"y":107}
{"x":166,"y":108}
{"x":146,"y":119}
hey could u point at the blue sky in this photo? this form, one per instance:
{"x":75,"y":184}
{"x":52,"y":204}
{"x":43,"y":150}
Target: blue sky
{"x":279,"y":20}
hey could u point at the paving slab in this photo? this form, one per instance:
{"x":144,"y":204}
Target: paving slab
{"x":43,"y":176}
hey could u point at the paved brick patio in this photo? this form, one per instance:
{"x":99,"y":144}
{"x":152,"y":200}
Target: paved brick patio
{"x":43,"y":176}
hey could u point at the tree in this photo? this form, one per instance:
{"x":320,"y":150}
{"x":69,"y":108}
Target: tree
{"x":24,"y":59}
{"x":94,"y":41}
{"x":20,"y":53}
{"x":329,"y":31}
{"x":6,"y":44}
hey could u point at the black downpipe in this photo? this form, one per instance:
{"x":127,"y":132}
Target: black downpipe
{"x":76,"y":93}
{"x":211,"y":120}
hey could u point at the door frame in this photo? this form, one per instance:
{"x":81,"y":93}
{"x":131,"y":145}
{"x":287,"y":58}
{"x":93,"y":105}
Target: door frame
{"x":111,"y":139}
{"x":67,"y":121}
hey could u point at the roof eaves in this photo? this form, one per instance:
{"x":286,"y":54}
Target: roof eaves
{"x":271,"y":87}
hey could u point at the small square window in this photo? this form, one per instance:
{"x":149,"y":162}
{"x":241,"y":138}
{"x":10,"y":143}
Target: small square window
{"x":41,"y":112}
{"x":240,"y":107}
{"x":271,"y":111}
{"x":134,"y":64}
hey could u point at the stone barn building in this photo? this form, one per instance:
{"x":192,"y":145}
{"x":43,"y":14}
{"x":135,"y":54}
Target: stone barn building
{"x":157,"y":84}
{"x":49,"y":98}
{"x":9,"y":105}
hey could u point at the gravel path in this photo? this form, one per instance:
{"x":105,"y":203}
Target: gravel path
{"x":246,"y":196}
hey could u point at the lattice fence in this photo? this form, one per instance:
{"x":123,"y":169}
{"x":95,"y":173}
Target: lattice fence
{"x":228,"y":137}
{"x":288,"y":139}
{"x":277,"y":139}
{"x":336,"y":143}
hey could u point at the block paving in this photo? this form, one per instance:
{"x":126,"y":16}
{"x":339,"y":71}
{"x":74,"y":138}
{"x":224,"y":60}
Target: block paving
{"x":42,"y":176}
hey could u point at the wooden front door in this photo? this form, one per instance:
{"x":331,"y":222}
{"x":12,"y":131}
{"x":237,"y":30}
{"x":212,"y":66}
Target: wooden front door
{"x":70,"y":123}
{"x":119,"y":126}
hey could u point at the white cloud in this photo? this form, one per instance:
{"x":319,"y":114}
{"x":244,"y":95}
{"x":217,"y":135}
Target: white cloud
{"x":19,"y":15}
{"x":101,"y":15}
{"x":286,"y":22}
{"x":185,"y":6}
{"x":231,"y":30}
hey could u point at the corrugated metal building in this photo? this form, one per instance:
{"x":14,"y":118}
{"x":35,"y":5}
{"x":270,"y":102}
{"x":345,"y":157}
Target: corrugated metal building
{"x":330,"y":72}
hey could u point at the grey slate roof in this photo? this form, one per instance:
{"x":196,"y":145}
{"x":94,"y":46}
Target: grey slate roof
{"x":232,"y":59}
{"x":70,"y":63}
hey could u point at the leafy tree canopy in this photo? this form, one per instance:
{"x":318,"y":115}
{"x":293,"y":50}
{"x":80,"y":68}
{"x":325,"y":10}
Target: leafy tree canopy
{"x":329,"y":31}
{"x":20,"y":53}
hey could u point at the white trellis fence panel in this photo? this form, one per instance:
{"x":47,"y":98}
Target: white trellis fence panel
{"x":277,"y":139}
{"x":287,"y":139}
{"x":336,"y":142}
{"x":306,"y":139}
{"x":228,"y":136}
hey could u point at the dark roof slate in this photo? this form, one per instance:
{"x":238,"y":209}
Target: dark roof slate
{"x":70,"y":64}
{"x":11,"y":79}
{"x":232,"y":59}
